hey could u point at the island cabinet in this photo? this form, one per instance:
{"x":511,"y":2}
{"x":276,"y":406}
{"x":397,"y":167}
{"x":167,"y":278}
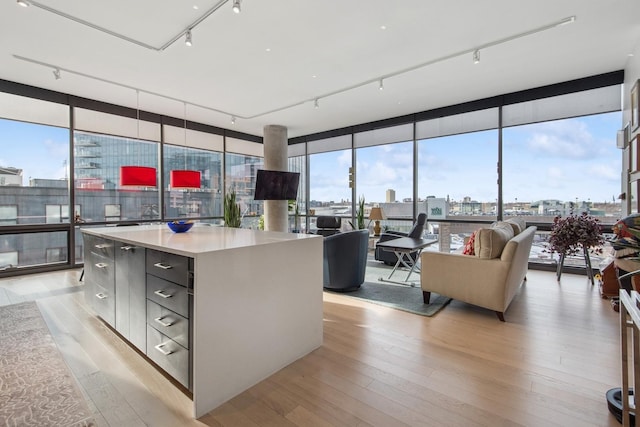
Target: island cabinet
{"x":131,"y":295}
{"x":99,"y":265}
{"x":217,"y":309}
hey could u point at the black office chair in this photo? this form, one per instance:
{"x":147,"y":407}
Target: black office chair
{"x":416,"y":232}
{"x":345,"y":260}
{"x":328,"y":225}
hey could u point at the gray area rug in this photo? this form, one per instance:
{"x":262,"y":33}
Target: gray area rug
{"x":399,"y":297}
{"x":36,"y":386}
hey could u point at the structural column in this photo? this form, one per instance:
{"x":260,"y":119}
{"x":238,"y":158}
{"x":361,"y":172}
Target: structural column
{"x":276,"y":216}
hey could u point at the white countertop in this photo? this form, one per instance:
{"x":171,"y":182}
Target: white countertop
{"x":200,"y":239}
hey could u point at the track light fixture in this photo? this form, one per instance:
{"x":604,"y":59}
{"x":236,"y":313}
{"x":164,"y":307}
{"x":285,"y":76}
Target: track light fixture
{"x":476,"y":56}
{"x":56,"y":74}
{"x":236,"y":6}
{"x":381,"y":85}
{"x":315,"y":103}
{"x":187,"y":38}
{"x":24,"y":3}
{"x":233,"y":120}
{"x":566,"y":21}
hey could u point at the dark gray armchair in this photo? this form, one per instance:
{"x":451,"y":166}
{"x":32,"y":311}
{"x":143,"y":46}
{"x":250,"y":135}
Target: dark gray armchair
{"x":345,"y":260}
{"x":416,"y":232}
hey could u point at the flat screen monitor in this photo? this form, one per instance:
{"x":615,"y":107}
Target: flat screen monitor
{"x":276,"y":185}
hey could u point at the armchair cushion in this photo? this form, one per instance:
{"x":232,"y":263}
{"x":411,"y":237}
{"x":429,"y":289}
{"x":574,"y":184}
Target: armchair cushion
{"x":489,"y":242}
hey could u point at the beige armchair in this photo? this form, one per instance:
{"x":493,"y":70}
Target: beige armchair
{"x":489,"y":279}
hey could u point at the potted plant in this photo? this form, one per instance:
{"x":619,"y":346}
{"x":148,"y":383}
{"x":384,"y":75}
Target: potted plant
{"x":232,"y":217}
{"x":359,"y":216}
{"x":573,"y":235}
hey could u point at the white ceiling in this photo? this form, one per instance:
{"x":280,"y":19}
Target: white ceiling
{"x":318,"y":49}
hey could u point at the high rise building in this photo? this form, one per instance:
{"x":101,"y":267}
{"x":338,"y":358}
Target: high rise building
{"x":391,"y":196}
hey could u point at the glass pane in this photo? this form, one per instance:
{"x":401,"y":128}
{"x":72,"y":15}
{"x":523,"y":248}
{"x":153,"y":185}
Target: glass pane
{"x":98,"y":159}
{"x":329,"y":192}
{"x":33,"y":249}
{"x":205,"y":201}
{"x":384,"y":176}
{"x":240,"y":175}
{"x":457,"y":176}
{"x":297,"y":210}
{"x":33,"y":173}
{"x":553,"y":168}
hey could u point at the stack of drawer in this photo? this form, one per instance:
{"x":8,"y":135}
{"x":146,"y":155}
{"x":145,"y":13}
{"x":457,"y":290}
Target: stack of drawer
{"x":99,"y":261}
{"x":169,"y":307}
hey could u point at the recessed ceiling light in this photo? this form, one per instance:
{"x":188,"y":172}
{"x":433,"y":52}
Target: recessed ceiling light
{"x":23,"y":3}
{"x":314,"y":76}
{"x":630,"y":55}
{"x":268,"y":49}
{"x":383,"y":27}
{"x":195,"y":7}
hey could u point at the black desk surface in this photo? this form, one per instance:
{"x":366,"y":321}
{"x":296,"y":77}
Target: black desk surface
{"x":406,"y":244}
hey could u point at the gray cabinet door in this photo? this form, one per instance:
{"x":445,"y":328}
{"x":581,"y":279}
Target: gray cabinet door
{"x":130,"y":294}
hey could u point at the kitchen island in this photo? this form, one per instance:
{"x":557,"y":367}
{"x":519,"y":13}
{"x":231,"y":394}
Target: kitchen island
{"x":218,"y":309}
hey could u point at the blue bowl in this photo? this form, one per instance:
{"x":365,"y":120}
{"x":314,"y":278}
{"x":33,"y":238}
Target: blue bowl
{"x":180,"y":226}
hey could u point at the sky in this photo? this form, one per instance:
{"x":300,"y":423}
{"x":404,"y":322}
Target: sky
{"x":562,"y":159}
{"x":40,"y":151}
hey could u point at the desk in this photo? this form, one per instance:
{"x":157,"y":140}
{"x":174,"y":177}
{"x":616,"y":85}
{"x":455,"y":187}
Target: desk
{"x":404,"y":247}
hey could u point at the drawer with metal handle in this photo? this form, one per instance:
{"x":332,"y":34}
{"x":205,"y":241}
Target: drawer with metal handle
{"x":169,"y":355}
{"x":101,"y":270}
{"x":99,"y":245}
{"x":103,"y":303}
{"x":174,"y":268}
{"x":168,"y":295}
{"x":169,"y":323}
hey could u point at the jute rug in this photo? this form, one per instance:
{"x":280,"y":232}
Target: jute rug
{"x":36,"y":386}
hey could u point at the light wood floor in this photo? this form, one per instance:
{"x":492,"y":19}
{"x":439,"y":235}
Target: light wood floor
{"x":550,"y":364}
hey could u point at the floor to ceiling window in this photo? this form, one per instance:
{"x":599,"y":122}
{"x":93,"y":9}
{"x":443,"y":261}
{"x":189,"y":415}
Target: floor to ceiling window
{"x":34,"y":183}
{"x":99,"y":192}
{"x":240,"y":176}
{"x":298,"y":208}
{"x":329,"y":190}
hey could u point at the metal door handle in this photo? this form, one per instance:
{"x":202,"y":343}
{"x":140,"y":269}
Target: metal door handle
{"x":162,"y":266}
{"x":101,"y":295}
{"x":161,"y":350}
{"x":127,"y":248}
{"x":161,"y":293}
{"x":165,"y":324}
{"x":103,"y":246}
{"x":102,"y":265}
